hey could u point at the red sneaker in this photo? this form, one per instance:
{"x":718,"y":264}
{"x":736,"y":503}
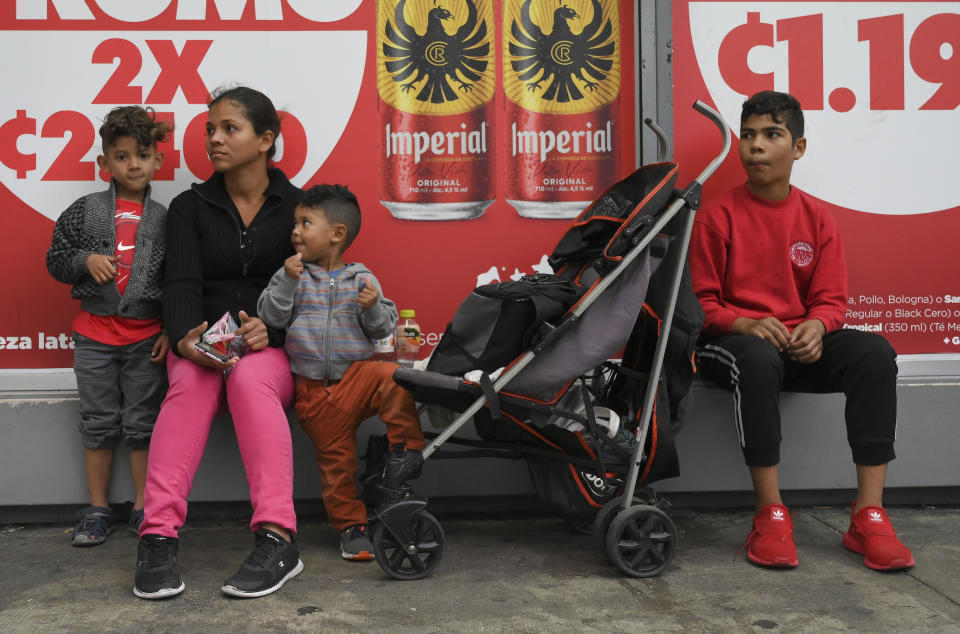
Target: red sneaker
{"x":770,"y":543}
{"x":871,"y":535}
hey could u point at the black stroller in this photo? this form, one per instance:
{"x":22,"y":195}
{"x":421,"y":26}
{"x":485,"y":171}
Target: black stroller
{"x":543,"y":388}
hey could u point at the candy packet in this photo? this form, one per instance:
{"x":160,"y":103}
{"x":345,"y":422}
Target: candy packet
{"x":219,"y":341}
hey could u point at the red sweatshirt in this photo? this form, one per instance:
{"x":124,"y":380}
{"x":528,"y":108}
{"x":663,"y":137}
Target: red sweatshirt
{"x":755,"y":258}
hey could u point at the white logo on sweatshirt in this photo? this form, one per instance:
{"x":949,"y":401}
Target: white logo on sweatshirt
{"x":801,"y":253}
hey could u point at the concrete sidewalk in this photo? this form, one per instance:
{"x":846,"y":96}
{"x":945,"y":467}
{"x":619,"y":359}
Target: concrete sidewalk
{"x":530,"y":575}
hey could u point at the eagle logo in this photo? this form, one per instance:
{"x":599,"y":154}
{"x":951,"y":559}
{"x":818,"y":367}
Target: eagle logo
{"x":433,"y":61}
{"x":556,"y":59}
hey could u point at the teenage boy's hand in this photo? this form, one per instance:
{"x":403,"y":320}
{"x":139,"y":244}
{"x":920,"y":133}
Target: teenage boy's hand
{"x":768,"y":328}
{"x":253,"y":331}
{"x":188,"y":350}
{"x":293,"y":266}
{"x":160,"y":348}
{"x":368,"y":294}
{"x":806,"y":341}
{"x":101,"y":267}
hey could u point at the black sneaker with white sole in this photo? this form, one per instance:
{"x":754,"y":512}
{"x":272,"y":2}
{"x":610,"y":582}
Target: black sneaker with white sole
{"x":157,"y":576}
{"x":273,"y":562}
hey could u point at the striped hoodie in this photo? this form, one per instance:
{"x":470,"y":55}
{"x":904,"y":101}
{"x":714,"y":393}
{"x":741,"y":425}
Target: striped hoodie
{"x":326,"y":328}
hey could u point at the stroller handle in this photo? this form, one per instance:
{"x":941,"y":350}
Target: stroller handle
{"x":718,"y":121}
{"x":664,"y":149}
{"x":691,"y":199}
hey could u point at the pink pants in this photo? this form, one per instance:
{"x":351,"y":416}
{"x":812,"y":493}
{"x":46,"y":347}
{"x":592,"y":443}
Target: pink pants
{"x":258,"y":389}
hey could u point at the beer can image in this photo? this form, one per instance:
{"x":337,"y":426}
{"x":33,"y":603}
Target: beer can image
{"x":562,"y":85}
{"x":436,"y":81}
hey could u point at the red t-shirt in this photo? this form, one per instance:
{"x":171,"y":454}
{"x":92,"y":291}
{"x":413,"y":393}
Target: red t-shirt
{"x":127,"y":221}
{"x":112,"y":329}
{"x":755,"y":258}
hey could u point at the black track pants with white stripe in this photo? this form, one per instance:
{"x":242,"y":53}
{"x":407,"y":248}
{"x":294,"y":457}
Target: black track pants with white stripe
{"x":862,"y":365}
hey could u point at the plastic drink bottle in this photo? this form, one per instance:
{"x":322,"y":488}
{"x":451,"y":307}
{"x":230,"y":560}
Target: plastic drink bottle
{"x":408,"y":338}
{"x":384,"y":350}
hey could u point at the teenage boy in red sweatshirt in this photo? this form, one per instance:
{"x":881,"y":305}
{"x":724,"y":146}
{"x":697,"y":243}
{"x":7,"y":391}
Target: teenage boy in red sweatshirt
{"x":768,"y":267}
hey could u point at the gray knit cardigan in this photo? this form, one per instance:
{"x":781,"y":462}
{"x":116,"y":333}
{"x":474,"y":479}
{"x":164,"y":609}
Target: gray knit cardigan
{"x":87,"y":226}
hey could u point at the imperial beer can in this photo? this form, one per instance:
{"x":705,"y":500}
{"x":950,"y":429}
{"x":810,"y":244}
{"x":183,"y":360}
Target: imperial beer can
{"x":562,"y":83}
{"x":436,"y":80}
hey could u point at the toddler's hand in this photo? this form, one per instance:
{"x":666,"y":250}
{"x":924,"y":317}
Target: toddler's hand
{"x":101,"y":267}
{"x":368,"y":294}
{"x":293,"y":266}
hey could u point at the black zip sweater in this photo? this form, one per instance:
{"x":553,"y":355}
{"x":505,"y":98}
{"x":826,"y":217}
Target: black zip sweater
{"x":214,"y":263}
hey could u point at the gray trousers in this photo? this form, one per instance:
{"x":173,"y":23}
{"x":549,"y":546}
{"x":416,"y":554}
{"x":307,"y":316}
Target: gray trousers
{"x":120,"y":392}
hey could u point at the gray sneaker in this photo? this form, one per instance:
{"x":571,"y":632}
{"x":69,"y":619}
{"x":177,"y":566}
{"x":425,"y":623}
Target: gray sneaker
{"x":94,"y":523}
{"x":355,"y":544}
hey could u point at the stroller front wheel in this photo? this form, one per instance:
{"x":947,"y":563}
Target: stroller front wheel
{"x":416,"y":558}
{"x":642,"y":541}
{"x":603,"y":518}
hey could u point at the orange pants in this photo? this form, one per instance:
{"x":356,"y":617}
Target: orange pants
{"x":331,"y":411}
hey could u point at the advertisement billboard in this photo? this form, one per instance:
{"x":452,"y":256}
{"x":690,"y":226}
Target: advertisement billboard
{"x":879,"y":83}
{"x":471,"y":130}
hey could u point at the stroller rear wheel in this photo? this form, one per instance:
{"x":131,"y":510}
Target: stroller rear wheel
{"x":642,"y":541}
{"x":415,"y":559}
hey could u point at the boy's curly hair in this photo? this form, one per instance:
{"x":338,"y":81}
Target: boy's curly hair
{"x":133,"y":121}
{"x":339,"y":204}
{"x":782,"y":108}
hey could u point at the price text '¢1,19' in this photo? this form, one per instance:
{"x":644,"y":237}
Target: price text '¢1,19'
{"x":934,"y":57}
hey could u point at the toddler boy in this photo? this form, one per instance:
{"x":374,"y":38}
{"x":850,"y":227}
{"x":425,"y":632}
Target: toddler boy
{"x":333,"y":312}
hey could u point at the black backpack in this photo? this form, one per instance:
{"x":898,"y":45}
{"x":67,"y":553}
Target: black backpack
{"x":676,"y":376}
{"x":498,"y":321}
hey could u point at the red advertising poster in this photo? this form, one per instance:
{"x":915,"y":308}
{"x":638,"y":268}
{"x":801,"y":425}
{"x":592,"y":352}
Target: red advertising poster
{"x":471,"y":130}
{"x":879,"y":83}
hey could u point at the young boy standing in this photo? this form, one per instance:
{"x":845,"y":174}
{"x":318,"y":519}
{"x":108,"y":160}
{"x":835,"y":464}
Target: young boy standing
{"x":768,"y":267}
{"x":110,"y":246}
{"x":333,"y":312}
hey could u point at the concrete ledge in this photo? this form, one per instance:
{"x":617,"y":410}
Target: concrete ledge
{"x":41,"y":459}
{"x":914,"y":366}
{"x":814,"y":452}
